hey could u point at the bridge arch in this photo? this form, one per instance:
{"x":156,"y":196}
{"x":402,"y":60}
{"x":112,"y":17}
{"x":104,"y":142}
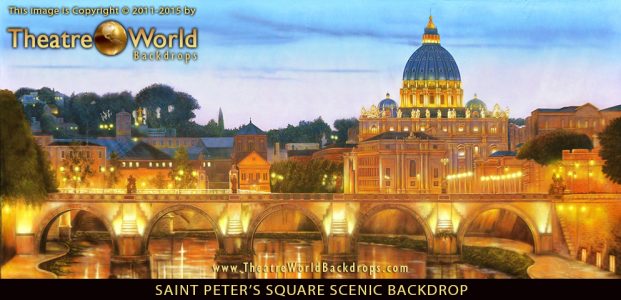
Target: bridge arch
{"x":465,"y":225}
{"x":50,"y":217}
{"x":175,"y":208}
{"x":366,"y":215}
{"x":256,"y":222}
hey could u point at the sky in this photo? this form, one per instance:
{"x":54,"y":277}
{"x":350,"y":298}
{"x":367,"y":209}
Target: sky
{"x":279,"y":62}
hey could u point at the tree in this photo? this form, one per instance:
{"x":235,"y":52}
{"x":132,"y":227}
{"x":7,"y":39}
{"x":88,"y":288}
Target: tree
{"x":517,"y":121}
{"x":314,"y":176}
{"x":24,"y":170}
{"x":182,"y":173}
{"x":304,"y":132}
{"x":23,"y":91}
{"x":342,"y":127}
{"x":220,"y":120}
{"x":548,"y":148}
{"x":166,"y":107}
{"x":610,"y":140}
{"x":77,"y":166}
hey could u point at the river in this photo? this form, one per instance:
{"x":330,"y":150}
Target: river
{"x":195,"y":258}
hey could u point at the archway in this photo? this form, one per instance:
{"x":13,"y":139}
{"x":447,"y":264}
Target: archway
{"x":83,"y":239}
{"x":286,"y":234}
{"x":392,"y":235}
{"x":182,"y":242}
{"x":502,"y":226}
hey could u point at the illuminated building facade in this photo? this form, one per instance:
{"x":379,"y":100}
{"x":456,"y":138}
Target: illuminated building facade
{"x":436,"y":136}
{"x":250,"y":157}
{"x":587,"y":119}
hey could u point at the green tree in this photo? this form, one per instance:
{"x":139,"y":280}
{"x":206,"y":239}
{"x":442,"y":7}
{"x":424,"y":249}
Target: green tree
{"x":548,"y":148}
{"x":24,"y":170}
{"x":182,"y":173}
{"x":46,"y":95}
{"x":342,"y":127}
{"x":220,"y":121}
{"x":314,"y":176}
{"x":176,"y":109}
{"x":304,"y":132}
{"x":610,"y":140}
{"x":23,"y":91}
{"x":77,"y":166}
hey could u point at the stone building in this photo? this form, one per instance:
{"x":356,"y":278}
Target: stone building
{"x":394,"y":139}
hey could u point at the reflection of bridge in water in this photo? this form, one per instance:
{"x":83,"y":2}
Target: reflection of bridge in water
{"x":235,"y":218}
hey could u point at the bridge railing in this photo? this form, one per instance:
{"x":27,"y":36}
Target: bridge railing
{"x":155,"y":191}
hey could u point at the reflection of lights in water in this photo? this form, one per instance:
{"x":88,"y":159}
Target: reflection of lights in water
{"x":86,"y":272}
{"x":182,"y":252}
{"x":97,"y":271}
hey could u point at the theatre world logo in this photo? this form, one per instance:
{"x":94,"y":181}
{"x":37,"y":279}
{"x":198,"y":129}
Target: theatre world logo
{"x":110,"y":38}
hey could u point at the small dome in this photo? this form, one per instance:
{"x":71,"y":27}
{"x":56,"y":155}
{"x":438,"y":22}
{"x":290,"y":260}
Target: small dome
{"x":476,"y":104}
{"x":388,"y":104}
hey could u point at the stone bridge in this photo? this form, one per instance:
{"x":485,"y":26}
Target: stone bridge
{"x":235,"y":218}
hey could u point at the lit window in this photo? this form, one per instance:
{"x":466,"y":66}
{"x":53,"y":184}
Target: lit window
{"x":475,"y":129}
{"x":392,"y":128}
{"x":170,"y":164}
{"x":406,"y":129}
{"x":208,"y":164}
{"x":422,"y":128}
{"x":137,"y":164}
{"x":445,"y":129}
{"x":150,"y":164}
{"x":460,"y":128}
{"x":123,"y":163}
{"x":131,"y":164}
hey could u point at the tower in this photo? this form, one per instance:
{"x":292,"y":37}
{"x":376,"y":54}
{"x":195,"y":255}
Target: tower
{"x":123,"y":125}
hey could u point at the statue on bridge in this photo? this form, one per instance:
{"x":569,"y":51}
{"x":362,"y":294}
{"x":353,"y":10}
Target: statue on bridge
{"x":557,"y":187}
{"x":131,"y":185}
{"x":233,"y":179}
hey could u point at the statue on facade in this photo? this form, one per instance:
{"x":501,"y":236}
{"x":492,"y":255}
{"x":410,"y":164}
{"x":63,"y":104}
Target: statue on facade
{"x":427,"y":113}
{"x":439,"y":114}
{"x":467,"y":113}
{"x":482,"y":113}
{"x":363,"y":112}
{"x":496,"y":111}
{"x":374,"y":112}
{"x":399,"y":113}
{"x":131,"y":185}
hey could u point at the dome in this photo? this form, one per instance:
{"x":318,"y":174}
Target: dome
{"x":476,"y":104}
{"x":388,"y":104}
{"x":431,"y":61}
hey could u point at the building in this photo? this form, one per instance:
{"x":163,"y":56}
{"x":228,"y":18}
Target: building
{"x":250,"y":157}
{"x":587,"y":119}
{"x":394,"y":139}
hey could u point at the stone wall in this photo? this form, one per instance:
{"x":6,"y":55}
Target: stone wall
{"x":592,"y":228}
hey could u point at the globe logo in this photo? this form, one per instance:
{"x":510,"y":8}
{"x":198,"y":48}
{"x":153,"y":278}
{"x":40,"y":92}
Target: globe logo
{"x":110,"y":38}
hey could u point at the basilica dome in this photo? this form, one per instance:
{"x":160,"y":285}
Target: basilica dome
{"x":476,"y":104}
{"x":431,"y":77}
{"x":388,"y":104}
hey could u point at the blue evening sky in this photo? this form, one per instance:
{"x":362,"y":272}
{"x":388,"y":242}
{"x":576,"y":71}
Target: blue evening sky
{"x":284,"y":61}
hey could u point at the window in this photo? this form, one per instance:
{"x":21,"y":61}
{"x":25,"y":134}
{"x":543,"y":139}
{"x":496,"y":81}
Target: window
{"x":387,"y":173}
{"x":264,"y":176}
{"x":406,"y":129}
{"x":421,"y":99}
{"x":612,"y":263}
{"x":493,"y":129}
{"x":435,"y":172}
{"x":412,"y":168}
{"x":100,"y":155}
{"x":598,"y":259}
{"x":258,"y":176}
{"x":243,"y":176}
{"x":391,"y":128}
{"x":460,"y":128}
{"x":62,"y":154}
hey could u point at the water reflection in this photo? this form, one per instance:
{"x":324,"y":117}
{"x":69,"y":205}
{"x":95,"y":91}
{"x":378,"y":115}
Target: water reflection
{"x":182,"y":258}
{"x":195,"y":257}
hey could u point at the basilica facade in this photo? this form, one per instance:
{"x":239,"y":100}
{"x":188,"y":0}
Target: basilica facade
{"x":430,"y":141}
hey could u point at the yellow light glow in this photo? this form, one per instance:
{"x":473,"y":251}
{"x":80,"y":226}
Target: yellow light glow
{"x":62,"y":169}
